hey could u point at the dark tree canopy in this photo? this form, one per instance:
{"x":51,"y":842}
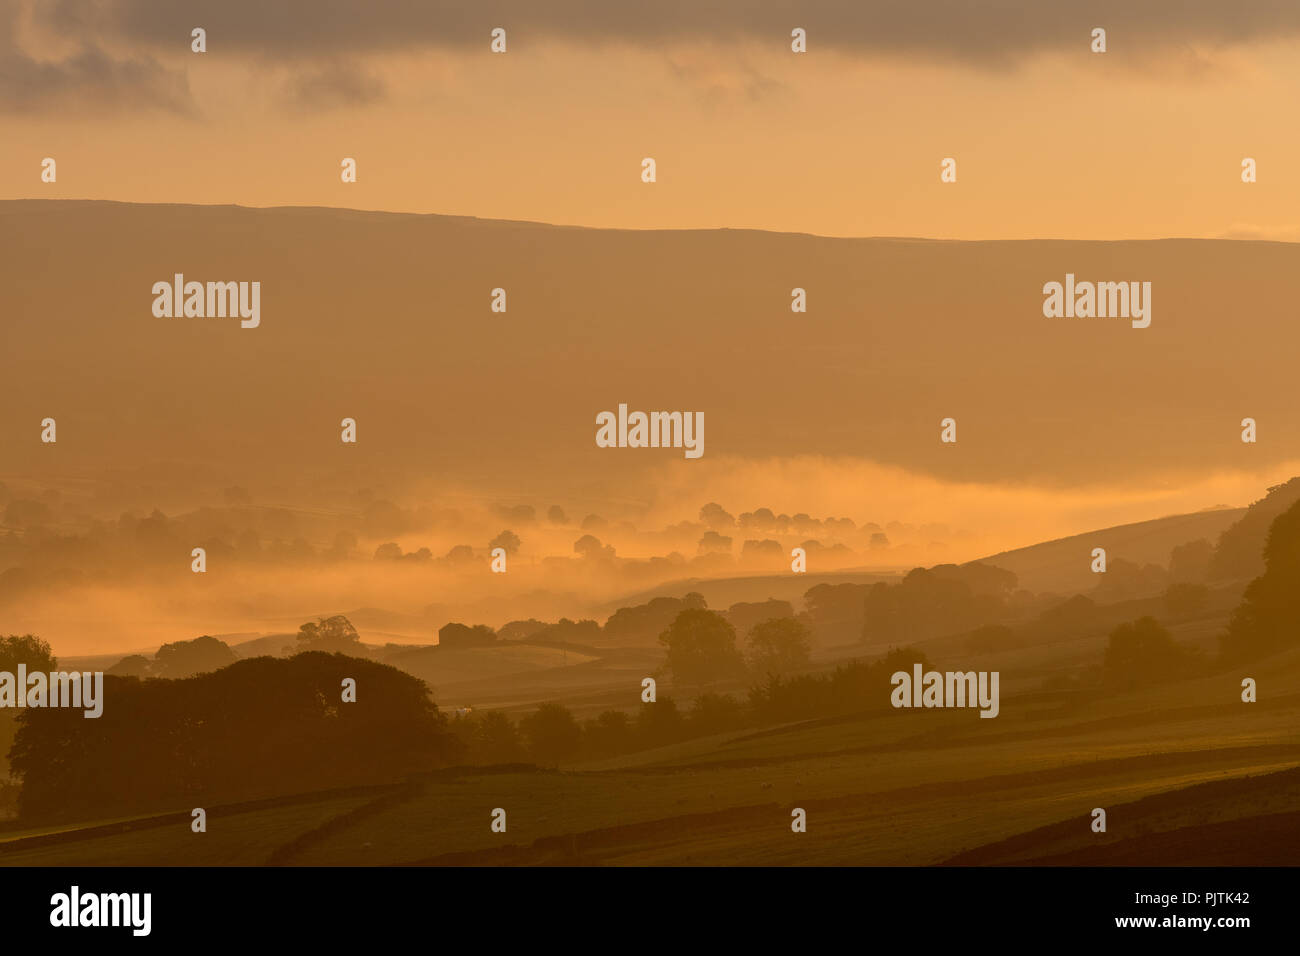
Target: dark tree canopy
{"x":552,"y":733}
{"x":778,"y":646}
{"x":14,"y":650}
{"x":1239,"y":553}
{"x":645,"y":622}
{"x":1268,"y":618}
{"x":330,"y":634}
{"x":187,"y":658}
{"x":260,"y":727}
{"x":701,"y":647}
{"x":457,"y":636}
{"x":1143,"y":652}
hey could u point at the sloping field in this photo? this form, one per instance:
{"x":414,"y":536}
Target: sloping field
{"x":1063,"y":565}
{"x":891,"y":787}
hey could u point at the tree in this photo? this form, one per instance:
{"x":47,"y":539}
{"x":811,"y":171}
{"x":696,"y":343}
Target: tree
{"x":589,"y":546}
{"x":983,"y":578}
{"x":643,"y":623}
{"x":836,"y":612}
{"x":767,"y":549}
{"x":744,"y":615}
{"x":187,"y":658}
{"x":717,"y":517}
{"x":457,"y":636}
{"x":660,"y":723}
{"x":345,"y":543}
{"x":133,"y":665}
{"x":22,"y":513}
{"x":517,"y":514}
{"x":461,"y":554}
{"x":27,"y":649}
{"x":1191,"y":561}
{"x":330,"y":634}
{"x":506,"y":539}
{"x":1142,"y":651}
{"x":608,"y":734}
{"x":714,"y":543}
{"x":1268,"y":618}
{"x":496,"y":740}
{"x":14,"y":650}
{"x":521,"y":630}
{"x":1239,"y":554}
{"x":701,"y":647}
{"x":164,"y":743}
{"x":778,"y":646}
{"x":552,"y":734}
{"x":1125,"y":580}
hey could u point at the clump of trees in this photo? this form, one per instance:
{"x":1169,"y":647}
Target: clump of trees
{"x":456,"y":636}
{"x":1144,"y":652}
{"x":334,"y":635}
{"x":260,"y":727}
{"x":178,"y":659}
{"x":701,"y":646}
{"x":36,"y":654}
{"x":1268,"y":618}
{"x":645,"y":621}
{"x":779,"y":646}
{"x":553,"y":735}
{"x":1239,"y":553}
{"x":945,"y":599}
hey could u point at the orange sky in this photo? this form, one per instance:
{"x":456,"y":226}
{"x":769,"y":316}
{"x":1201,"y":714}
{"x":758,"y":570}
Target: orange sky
{"x":1054,"y":142}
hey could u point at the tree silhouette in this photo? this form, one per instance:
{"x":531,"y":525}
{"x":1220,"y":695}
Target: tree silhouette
{"x":506,"y":539}
{"x":455,"y":636}
{"x":1268,"y":618}
{"x":260,"y":727}
{"x":330,"y":634}
{"x":701,"y":647}
{"x":1142,"y":651}
{"x":552,"y":734}
{"x":14,"y":650}
{"x":187,"y":658}
{"x":778,"y":646}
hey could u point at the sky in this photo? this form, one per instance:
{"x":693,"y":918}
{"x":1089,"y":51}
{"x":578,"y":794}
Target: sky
{"x":1050,"y":139}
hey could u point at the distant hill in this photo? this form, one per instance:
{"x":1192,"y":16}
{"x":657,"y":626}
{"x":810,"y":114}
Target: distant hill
{"x":272,"y":645}
{"x":721,"y":593}
{"x":1064,"y":565}
{"x":391,"y":314}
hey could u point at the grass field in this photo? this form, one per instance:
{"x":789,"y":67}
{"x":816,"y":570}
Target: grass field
{"x":909,"y":787}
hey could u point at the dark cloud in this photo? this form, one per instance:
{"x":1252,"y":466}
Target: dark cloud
{"x":132,"y":52}
{"x":335,"y":84}
{"x":88,"y":79}
{"x":978,"y":32}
